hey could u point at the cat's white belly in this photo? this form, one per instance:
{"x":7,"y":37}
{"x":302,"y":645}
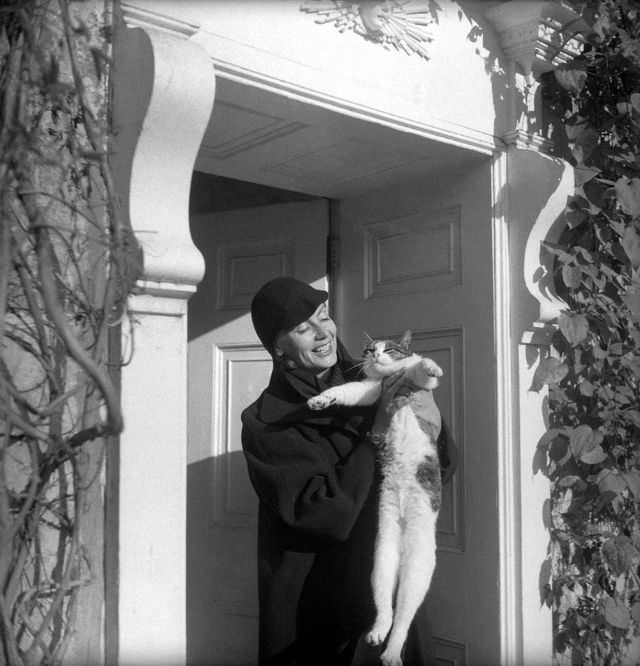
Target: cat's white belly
{"x":407,"y":444}
{"x":408,"y":449}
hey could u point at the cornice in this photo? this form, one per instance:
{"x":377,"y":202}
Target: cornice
{"x":522,"y":139}
{"x":142,"y":17}
{"x":538,"y":36}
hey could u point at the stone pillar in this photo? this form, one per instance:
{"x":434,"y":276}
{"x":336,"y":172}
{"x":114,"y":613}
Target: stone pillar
{"x":537,"y":193}
{"x":162,"y":101}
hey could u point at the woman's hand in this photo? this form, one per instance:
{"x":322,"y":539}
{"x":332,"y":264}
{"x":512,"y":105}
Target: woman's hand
{"x":390,"y":386}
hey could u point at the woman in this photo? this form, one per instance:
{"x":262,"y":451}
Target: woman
{"x":316,"y":480}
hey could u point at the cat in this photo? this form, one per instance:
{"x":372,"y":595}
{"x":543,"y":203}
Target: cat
{"x":410,"y":494}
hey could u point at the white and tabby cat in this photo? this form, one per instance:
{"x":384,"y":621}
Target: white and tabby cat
{"x":405,"y":550}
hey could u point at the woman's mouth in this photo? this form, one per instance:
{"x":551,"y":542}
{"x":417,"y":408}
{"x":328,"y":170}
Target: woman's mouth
{"x":323,"y":350}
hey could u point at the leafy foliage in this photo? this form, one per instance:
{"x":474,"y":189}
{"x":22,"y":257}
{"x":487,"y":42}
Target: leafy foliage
{"x":592,"y":446}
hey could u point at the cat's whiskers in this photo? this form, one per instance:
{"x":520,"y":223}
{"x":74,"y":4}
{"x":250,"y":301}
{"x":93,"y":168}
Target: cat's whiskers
{"x":361,"y":363}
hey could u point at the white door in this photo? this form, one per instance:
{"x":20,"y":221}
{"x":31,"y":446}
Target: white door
{"x":419,"y":257}
{"x":228,"y":369}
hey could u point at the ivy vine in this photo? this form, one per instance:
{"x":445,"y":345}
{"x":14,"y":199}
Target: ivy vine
{"x":591,"y":450}
{"x":68,"y":261}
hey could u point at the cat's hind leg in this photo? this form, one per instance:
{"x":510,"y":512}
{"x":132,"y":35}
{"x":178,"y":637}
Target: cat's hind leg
{"x":416,"y":568}
{"x":385,"y":567}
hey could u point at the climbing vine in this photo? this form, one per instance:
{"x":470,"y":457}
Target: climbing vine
{"x":592,"y":447}
{"x":67,"y":263}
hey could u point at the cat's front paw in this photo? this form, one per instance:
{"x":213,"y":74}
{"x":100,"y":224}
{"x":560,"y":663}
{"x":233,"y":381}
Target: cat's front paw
{"x":433,"y":371}
{"x":321,"y":401}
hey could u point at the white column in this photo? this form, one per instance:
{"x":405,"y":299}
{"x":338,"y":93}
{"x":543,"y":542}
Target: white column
{"x":163,"y":96}
{"x":536,"y":195}
{"x":536,"y":619}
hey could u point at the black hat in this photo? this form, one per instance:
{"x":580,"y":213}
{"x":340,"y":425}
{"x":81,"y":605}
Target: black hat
{"x":282,"y":304}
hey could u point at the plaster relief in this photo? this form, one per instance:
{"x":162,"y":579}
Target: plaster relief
{"x":402,"y":25}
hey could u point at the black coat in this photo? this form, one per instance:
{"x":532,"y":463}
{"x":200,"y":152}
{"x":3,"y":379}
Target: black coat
{"x":315,"y":477}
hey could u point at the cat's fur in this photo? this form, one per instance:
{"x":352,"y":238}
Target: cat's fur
{"x":405,"y":551}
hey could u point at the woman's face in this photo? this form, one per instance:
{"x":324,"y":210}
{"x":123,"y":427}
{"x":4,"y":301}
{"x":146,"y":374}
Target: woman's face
{"x":312,"y":344}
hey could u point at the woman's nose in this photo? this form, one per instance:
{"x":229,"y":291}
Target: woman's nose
{"x":321,"y":330}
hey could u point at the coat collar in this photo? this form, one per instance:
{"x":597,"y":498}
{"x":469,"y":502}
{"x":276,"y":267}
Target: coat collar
{"x":285,"y":399}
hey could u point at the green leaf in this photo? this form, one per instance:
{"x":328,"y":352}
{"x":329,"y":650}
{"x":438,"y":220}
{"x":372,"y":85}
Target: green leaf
{"x":624,"y":108}
{"x":628,"y":193}
{"x":616,"y":613}
{"x":559,"y":451}
{"x":585,"y":142}
{"x":620,"y":554}
{"x":549,"y":371}
{"x":634,"y":416}
{"x":586,"y":388}
{"x":631,"y":244}
{"x":585,"y":444}
{"x":594,"y":457}
{"x":584,"y":174}
{"x":635,"y":101}
{"x":571,"y":79}
{"x":632,"y":299}
{"x":612,"y":482}
{"x":575,"y":216}
{"x":569,"y":480}
{"x":632,"y":479}
{"x":571,"y":276}
{"x":574,"y":327}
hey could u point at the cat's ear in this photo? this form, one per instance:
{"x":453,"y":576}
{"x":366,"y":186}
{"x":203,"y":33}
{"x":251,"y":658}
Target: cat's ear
{"x":367,"y":339}
{"x":405,"y":340}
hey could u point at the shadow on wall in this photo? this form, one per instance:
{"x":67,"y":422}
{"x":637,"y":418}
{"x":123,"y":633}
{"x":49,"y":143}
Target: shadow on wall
{"x":211,"y":194}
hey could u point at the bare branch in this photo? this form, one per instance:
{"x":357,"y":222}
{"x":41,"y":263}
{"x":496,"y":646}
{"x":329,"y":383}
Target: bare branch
{"x":56,"y":314}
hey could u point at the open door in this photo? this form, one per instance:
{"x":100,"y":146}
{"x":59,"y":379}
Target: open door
{"x":228,"y":369}
{"x":419,"y":257}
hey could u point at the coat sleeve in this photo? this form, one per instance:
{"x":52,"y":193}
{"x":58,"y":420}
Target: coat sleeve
{"x":448,"y":453}
{"x":297,"y":479}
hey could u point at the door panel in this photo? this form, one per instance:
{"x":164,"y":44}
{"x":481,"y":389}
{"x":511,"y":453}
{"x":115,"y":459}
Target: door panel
{"x":419,"y":257}
{"x":228,"y":368}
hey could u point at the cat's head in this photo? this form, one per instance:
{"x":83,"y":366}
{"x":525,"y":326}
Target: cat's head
{"x":383,"y":357}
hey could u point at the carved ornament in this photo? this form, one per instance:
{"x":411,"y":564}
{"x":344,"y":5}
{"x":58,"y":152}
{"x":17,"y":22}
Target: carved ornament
{"x":402,"y":24}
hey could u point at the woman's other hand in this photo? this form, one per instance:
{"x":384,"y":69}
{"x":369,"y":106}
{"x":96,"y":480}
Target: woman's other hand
{"x":388,"y":400}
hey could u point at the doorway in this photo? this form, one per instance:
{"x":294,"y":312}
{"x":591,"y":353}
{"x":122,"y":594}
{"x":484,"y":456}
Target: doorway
{"x":410,"y":221}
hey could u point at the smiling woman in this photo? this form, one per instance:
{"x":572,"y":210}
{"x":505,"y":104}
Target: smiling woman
{"x":311,"y":344}
{"x":316,"y":480}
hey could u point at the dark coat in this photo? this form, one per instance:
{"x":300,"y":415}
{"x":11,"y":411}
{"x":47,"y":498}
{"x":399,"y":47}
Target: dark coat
{"x":315,"y":477}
